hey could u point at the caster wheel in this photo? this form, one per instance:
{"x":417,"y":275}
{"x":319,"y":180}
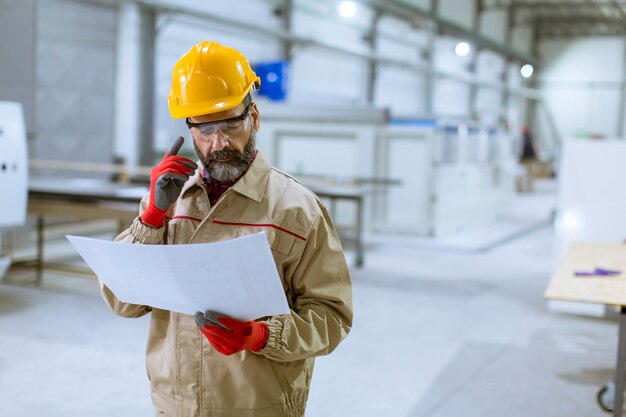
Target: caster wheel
{"x":606,"y":397}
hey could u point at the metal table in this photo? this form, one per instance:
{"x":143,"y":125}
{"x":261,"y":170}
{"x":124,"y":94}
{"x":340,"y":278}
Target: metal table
{"x":101,"y":199}
{"x":79,"y":199}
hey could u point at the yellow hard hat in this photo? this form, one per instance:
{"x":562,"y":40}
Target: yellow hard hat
{"x":210,"y":78}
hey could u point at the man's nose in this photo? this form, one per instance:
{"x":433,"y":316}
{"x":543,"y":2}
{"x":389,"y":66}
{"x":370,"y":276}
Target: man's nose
{"x":217,"y":141}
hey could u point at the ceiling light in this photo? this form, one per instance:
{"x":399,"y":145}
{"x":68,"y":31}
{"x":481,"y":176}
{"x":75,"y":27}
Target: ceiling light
{"x":462,"y":49}
{"x":347,"y":9}
{"x":526,"y":71}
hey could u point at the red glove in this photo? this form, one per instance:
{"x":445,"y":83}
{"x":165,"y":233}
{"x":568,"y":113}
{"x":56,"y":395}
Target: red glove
{"x":166,"y":183}
{"x":236,"y":336}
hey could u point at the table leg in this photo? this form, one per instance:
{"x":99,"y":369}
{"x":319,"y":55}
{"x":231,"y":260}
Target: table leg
{"x":619,"y":369}
{"x":40,"y":241}
{"x":359,"y":236}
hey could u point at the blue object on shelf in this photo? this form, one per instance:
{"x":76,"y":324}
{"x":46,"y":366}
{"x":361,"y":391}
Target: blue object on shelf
{"x":413,"y":122}
{"x":273,"y":79}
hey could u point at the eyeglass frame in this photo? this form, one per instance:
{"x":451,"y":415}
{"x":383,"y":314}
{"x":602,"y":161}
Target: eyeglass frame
{"x":240,"y":118}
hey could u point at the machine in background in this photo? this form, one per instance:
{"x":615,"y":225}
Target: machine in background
{"x":13,"y":173}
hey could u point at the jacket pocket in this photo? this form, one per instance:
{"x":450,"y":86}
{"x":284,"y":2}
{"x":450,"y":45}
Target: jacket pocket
{"x":280,"y":241}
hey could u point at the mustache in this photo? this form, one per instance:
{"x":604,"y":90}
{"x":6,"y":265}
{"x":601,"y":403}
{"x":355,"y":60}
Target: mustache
{"x":223,"y":154}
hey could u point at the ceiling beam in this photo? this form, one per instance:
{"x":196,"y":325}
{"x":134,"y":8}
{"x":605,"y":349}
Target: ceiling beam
{"x":162,"y":6}
{"x":404,"y":10}
{"x":499,"y":4}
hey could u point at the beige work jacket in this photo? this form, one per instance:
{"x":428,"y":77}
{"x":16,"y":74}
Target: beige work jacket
{"x":188,"y":377}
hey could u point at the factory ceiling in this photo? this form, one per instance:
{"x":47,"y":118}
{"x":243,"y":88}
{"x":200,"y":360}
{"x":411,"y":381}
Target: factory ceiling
{"x":565,"y":18}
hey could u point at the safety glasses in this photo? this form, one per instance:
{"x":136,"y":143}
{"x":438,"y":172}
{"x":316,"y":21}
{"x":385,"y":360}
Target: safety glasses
{"x":226,"y":127}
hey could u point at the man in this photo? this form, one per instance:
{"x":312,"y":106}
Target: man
{"x":226,"y":367}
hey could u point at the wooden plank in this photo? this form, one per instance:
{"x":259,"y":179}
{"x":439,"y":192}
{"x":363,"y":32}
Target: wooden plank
{"x":82,"y":210}
{"x":609,"y":290}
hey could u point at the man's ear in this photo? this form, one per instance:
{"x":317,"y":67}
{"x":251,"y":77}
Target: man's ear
{"x":256,"y":117}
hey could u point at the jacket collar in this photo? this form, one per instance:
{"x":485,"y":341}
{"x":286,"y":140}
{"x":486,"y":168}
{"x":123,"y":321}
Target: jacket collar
{"x":252,"y":184}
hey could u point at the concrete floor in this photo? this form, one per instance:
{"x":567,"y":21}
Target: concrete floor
{"x":440,"y":330}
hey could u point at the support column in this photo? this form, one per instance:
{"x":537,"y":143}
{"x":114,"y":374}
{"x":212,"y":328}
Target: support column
{"x":134,"y":85}
{"x":430,"y":62}
{"x":286,"y":11}
{"x":622,"y":100}
{"x":147,"y":39}
{"x":372,"y":66}
{"x":505,"y":76}
{"x":478,"y":10}
{"x":531,"y":104}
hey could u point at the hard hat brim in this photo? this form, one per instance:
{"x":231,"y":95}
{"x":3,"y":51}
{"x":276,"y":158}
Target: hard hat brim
{"x":178,"y":111}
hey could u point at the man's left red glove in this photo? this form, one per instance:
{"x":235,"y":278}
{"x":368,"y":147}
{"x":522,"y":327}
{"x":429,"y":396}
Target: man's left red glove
{"x":233,"y":335}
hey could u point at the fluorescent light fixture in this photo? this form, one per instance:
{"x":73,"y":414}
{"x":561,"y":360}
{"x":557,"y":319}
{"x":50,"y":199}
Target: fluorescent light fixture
{"x":526,"y":71}
{"x":462,"y":49}
{"x":347,"y":9}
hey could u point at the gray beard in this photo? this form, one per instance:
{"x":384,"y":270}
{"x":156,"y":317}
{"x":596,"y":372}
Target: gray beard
{"x":228,"y":171}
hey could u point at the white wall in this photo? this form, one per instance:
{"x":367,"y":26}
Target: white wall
{"x":460,"y":12}
{"x":57,"y":60}
{"x":399,"y":89}
{"x":17,"y":66}
{"x":580,"y":82}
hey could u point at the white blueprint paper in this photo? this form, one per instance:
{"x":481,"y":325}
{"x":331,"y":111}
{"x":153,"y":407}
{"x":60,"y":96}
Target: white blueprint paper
{"x":236,"y":277}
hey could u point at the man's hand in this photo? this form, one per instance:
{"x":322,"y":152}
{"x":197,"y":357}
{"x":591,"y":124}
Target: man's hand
{"x":166,"y":183}
{"x":229,"y":336}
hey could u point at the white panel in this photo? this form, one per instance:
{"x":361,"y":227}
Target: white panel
{"x":577,"y":107}
{"x":335,"y":157}
{"x":445,"y":58}
{"x":17,"y":65}
{"x":319,"y":155}
{"x":583,"y":59}
{"x":398,"y":39}
{"x":259,"y":13}
{"x":456,"y":189}
{"x":321,"y":77}
{"x":516,"y":115}
{"x":584,"y":111}
{"x":321,"y":20}
{"x":522,"y":38}
{"x":401,"y":91}
{"x":493,"y":24}
{"x":488,"y":105}
{"x":451,"y":98}
{"x":75,"y":67}
{"x":127,"y":81}
{"x":335,"y":149}
{"x":458,"y":11}
{"x":489,"y":66}
{"x":591,"y":204}
{"x":409,"y":160}
{"x":13,"y":165}
{"x":515,"y":79}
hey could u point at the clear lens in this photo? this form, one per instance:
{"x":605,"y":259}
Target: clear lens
{"x":225,"y":129}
